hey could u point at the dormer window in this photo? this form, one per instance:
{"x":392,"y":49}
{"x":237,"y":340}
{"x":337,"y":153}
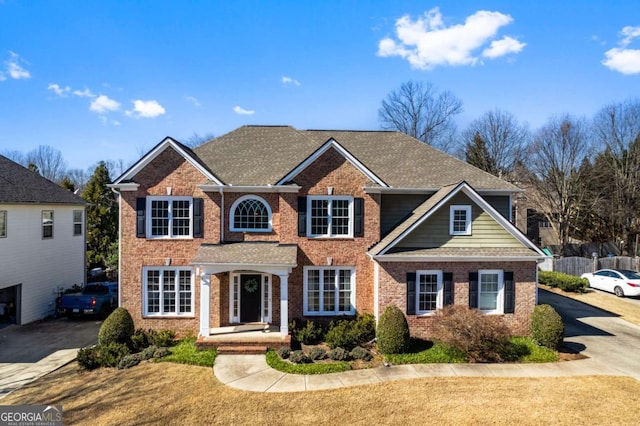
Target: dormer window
{"x":460,"y":220}
{"x":250,"y":214}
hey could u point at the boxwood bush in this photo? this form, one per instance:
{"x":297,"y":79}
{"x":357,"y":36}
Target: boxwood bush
{"x":117,"y":328}
{"x":393,"y":331}
{"x":546,"y":327}
{"x":564,"y":282}
{"x":348,"y":334}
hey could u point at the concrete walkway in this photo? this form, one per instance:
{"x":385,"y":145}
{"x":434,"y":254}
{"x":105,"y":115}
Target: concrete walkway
{"x":251,"y":373}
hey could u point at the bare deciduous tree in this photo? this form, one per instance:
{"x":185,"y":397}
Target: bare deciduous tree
{"x":421,"y":111}
{"x":49,"y":162}
{"x":197,"y":139}
{"x":504,"y":138}
{"x":554,"y":158}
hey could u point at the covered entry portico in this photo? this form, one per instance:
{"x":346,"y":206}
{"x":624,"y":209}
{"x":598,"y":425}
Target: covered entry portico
{"x":252,"y":269}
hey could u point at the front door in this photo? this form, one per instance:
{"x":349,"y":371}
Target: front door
{"x":250,"y":296}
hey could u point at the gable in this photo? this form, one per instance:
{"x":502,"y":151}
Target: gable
{"x":434,"y":232}
{"x":168,"y":170}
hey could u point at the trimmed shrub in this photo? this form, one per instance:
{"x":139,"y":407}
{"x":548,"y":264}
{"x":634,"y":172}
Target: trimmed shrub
{"x":483,"y":338}
{"x":393,"y":331}
{"x":117,"y":328}
{"x":317,"y":353}
{"x":339,"y":354}
{"x":299,"y":357}
{"x":129,"y":361}
{"x":284,"y":353}
{"x":350,"y":333}
{"x":564,"y":282}
{"x":164,"y":338}
{"x":141,"y":339}
{"x":109,"y":355}
{"x":308,"y":334}
{"x":546,"y":327}
{"x":88,"y":358}
{"x":361,"y":353}
{"x":147,"y":353}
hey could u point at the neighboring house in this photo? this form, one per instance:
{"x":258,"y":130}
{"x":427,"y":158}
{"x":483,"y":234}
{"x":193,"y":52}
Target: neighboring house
{"x":268,"y":223}
{"x":42,"y":243}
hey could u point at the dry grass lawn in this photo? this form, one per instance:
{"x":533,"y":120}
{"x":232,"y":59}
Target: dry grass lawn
{"x":627,"y":310}
{"x":173,"y":394}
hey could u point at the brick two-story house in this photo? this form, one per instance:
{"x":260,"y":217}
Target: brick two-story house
{"x":270,"y":223}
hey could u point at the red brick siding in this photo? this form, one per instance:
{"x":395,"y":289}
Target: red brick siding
{"x":393,"y":290}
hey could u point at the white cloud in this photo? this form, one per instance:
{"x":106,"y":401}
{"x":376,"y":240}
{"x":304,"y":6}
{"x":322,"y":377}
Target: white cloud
{"x":145,"y":109}
{"x":103,"y":104}
{"x":622,"y":59}
{"x":503,"y":47}
{"x":86,"y":93}
{"x":427,"y":43}
{"x":193,"y":100}
{"x":289,"y":81}
{"x":60,"y":91}
{"x":14,"y":69}
{"x":242,"y":111}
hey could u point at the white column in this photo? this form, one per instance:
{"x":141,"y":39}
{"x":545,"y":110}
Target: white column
{"x":284,"y":304}
{"x":205,"y":303}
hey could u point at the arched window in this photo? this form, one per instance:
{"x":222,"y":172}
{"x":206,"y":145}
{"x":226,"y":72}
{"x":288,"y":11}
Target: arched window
{"x":250,"y":213}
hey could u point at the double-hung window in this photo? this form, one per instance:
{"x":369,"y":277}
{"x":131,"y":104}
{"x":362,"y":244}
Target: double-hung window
{"x":77,"y":222}
{"x":47,"y":224}
{"x":329,"y":291}
{"x":169,"y":217}
{"x":460,"y":220}
{"x":3,"y":223}
{"x":168,"y":291}
{"x":429,"y":291}
{"x":490,"y":291}
{"x":330,"y":216}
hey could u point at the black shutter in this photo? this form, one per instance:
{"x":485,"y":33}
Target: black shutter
{"x":447,"y":279}
{"x":509,"y":293}
{"x":141,"y":205}
{"x":358,"y":219}
{"x":473,"y":289}
{"x":302,"y":216}
{"x":198,"y":218}
{"x":411,"y":293}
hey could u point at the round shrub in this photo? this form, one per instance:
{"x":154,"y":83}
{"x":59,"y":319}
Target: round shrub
{"x":546,"y":327}
{"x":88,"y":358}
{"x":393,"y":331}
{"x":339,"y":354}
{"x":284,"y":353}
{"x":317,"y":353}
{"x":109,"y":355}
{"x":308,"y":334}
{"x":361,"y":353}
{"x":117,"y":328}
{"x":299,"y":357}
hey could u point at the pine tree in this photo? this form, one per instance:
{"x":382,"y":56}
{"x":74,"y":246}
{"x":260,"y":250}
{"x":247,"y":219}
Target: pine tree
{"x":477,"y":154}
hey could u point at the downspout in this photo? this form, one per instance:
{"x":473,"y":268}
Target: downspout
{"x":119,"y":244}
{"x":221,"y":214}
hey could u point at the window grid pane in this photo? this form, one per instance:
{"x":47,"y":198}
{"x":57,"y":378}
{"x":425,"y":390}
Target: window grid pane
{"x":153,"y":291}
{"x":181,"y":217}
{"x":265,"y":298}
{"x":77,"y":222}
{"x":344,"y":299}
{"x":489,"y":287}
{"x":340,"y":217}
{"x":3,"y":223}
{"x":159,"y":218}
{"x":459,"y":220}
{"x":47,"y":224}
{"x":428,"y":292}
{"x":169,"y":292}
{"x":313,"y":290}
{"x":185,"y":291}
{"x":319,"y":217}
{"x":329,"y":290}
{"x":251,"y":214}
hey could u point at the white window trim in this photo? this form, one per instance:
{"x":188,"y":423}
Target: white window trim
{"x":42,"y":225}
{"x":232,"y":214}
{"x":500,"y":296}
{"x":170,"y":199}
{"x":3,"y":232}
{"x":145,"y":310}
{"x":235,"y":296}
{"x":81,"y":223}
{"x":310,"y":198}
{"x":322,"y":312}
{"x":467,"y":210}
{"x":439,"y":296}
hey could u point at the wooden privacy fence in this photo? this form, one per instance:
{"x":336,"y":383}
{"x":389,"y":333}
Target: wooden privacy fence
{"x":581,"y":265}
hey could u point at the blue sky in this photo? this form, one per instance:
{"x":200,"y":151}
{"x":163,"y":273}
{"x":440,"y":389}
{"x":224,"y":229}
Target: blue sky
{"x":107,"y":80}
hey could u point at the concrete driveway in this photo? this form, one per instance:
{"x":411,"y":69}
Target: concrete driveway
{"x":30,"y":351}
{"x":598,"y":334}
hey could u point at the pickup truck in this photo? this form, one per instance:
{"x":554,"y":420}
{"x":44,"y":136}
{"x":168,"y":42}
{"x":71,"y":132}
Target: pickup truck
{"x":94,"y":299}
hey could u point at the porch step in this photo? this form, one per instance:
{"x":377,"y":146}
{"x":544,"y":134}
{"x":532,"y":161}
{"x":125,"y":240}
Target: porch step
{"x":242,"y":350}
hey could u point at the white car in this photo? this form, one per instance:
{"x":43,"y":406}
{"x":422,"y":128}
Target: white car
{"x":621,"y":282}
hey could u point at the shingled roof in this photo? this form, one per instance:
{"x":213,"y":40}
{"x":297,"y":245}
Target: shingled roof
{"x":261,"y":155}
{"x":19,"y":185}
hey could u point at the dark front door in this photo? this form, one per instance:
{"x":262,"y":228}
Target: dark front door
{"x":250,"y":291}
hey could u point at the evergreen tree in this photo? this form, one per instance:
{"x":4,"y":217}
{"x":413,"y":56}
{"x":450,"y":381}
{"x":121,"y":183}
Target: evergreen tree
{"x":67,"y":184}
{"x":102,"y":218}
{"x":477,"y":154}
